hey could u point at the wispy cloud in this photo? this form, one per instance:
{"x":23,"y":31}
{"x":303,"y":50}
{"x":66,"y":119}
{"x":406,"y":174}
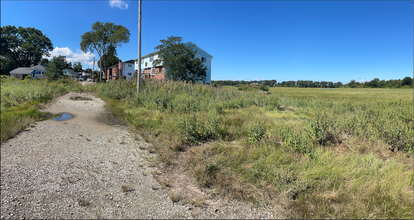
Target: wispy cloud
{"x":118,"y":4}
{"x":83,"y":58}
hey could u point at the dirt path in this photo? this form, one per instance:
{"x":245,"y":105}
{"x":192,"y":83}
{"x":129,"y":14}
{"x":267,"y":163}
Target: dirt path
{"x":90,"y":166}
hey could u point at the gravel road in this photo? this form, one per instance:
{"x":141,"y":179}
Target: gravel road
{"x":90,"y":166}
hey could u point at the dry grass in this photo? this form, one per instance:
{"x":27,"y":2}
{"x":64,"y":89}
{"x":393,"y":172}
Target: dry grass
{"x":342,"y":171}
{"x":176,"y":197}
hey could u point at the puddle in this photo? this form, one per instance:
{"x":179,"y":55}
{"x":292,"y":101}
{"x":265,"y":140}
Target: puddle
{"x":60,"y":117}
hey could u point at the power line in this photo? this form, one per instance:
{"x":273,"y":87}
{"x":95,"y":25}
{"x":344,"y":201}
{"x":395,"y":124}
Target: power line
{"x":127,"y":12}
{"x":132,"y":23}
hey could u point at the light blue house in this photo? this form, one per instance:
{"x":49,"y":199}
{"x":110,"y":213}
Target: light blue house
{"x":150,"y":71}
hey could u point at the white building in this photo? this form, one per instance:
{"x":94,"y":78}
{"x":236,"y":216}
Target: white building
{"x":150,"y":71}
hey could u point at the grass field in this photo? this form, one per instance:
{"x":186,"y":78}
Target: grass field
{"x":21,"y":99}
{"x":341,"y":153}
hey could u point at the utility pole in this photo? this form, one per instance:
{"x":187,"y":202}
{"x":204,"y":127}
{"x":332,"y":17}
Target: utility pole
{"x":93,"y":67}
{"x":139,"y":47}
{"x":100,"y":68}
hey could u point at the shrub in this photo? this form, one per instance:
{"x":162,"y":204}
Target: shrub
{"x":264,"y":88}
{"x":256,"y":133}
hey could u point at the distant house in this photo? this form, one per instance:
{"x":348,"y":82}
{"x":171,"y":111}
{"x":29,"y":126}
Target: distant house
{"x":254,"y":84}
{"x":158,"y":72}
{"x":22,"y":72}
{"x":127,"y":70}
{"x":70,"y":73}
{"x":35,"y":72}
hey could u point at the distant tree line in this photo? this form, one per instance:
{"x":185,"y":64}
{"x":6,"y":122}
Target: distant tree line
{"x":375,"y":83}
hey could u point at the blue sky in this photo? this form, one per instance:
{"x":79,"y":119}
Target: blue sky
{"x":282,"y":40}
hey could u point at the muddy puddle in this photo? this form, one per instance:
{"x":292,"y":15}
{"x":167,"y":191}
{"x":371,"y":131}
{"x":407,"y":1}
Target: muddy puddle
{"x":60,"y":117}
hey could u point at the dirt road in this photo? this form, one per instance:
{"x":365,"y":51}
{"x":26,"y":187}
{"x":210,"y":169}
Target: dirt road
{"x":90,"y":166}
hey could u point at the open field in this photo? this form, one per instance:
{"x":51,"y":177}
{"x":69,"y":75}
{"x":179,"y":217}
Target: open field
{"x":320,"y":153}
{"x":343,"y":153}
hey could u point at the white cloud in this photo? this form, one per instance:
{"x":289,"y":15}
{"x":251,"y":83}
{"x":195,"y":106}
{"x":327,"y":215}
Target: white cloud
{"x":84,"y":58}
{"x":118,"y":3}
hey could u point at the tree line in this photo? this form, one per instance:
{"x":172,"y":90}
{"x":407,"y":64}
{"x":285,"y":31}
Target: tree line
{"x":375,"y":83}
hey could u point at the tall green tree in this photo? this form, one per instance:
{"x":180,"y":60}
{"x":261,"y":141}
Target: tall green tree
{"x":55,"y":68}
{"x":407,"y":81}
{"x":77,"y":67}
{"x":102,"y":37}
{"x":179,"y":60}
{"x":110,"y":58}
{"x":22,"y":47}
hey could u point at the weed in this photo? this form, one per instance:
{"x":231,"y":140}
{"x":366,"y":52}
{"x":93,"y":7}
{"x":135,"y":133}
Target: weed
{"x":176,"y":197}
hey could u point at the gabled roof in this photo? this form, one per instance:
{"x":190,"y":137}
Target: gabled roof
{"x":71,"y":71}
{"x":22,"y":70}
{"x":199,"y":48}
{"x":39,"y":67}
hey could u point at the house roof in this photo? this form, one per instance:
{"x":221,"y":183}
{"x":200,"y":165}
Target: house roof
{"x":71,"y":71}
{"x":199,"y":48}
{"x":39,"y":67}
{"x":128,"y":61}
{"x":155,"y":52}
{"x":22,"y":70}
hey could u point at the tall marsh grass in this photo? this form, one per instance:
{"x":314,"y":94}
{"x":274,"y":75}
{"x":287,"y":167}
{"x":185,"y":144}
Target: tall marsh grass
{"x":324,"y":154}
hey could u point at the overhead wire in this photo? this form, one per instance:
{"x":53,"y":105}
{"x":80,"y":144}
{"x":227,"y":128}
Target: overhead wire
{"x":127,"y":12}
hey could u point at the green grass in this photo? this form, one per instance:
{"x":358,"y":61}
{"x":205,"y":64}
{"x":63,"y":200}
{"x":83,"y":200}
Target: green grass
{"x":341,"y":153}
{"x":21,"y":99}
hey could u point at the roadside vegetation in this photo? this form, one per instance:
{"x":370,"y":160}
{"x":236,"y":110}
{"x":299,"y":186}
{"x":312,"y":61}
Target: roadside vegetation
{"x":21,"y":100}
{"x":344,"y":153}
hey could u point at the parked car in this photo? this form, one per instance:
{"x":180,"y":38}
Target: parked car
{"x":89,"y":80}
{"x":81,"y":79}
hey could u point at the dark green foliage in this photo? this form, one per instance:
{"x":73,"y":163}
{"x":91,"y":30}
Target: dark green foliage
{"x":375,"y":83}
{"x":77,"y":67}
{"x":22,"y":47}
{"x":407,"y":81}
{"x":103,"y":39}
{"x":44,"y":62}
{"x":109,"y":59}
{"x":264,"y":88}
{"x":179,"y":62}
{"x":55,"y":69}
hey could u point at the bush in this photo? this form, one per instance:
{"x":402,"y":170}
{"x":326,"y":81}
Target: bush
{"x":28,"y":77}
{"x":264,"y":88}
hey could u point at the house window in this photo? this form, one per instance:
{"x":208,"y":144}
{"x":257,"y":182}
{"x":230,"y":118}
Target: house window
{"x":129,"y":65}
{"x":142,"y":61}
{"x":129,"y":74}
{"x":203,"y":59}
{"x":146,"y":64}
{"x":151,"y":58}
